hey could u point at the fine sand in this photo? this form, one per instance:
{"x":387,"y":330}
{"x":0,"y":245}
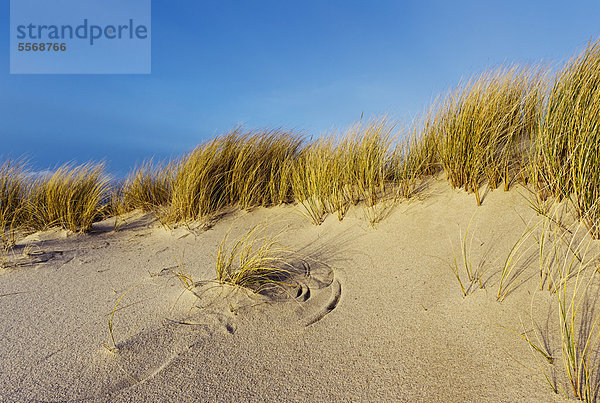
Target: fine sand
{"x":380,"y":316}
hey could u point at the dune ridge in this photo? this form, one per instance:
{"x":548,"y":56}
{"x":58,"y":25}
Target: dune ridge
{"x":390,"y":283}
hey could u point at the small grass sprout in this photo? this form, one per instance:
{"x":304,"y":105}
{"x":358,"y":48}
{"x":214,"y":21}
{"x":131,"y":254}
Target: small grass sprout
{"x":474,"y":276}
{"x":573,"y":272}
{"x":539,"y":347}
{"x":112,"y":345}
{"x":510,"y":270}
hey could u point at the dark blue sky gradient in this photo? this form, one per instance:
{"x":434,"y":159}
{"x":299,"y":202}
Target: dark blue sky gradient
{"x":309,"y":65}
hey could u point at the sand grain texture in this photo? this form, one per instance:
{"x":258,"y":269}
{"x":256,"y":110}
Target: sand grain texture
{"x":380,"y":316}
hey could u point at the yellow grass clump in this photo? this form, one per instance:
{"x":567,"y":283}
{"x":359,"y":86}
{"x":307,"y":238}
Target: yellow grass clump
{"x":415,"y":157}
{"x":147,"y":188}
{"x":252,"y":262}
{"x":244,"y":169}
{"x":567,"y":152}
{"x":483,"y":125}
{"x":70,"y":198}
{"x":12,"y":193}
{"x":332,"y":174}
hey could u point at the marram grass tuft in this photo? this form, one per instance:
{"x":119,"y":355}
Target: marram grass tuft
{"x":70,"y":198}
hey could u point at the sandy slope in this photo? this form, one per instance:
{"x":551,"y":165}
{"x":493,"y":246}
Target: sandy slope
{"x":380,"y":317}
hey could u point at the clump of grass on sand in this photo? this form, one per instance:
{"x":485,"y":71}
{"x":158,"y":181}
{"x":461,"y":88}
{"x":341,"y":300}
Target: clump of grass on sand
{"x":13,"y":186}
{"x":245,"y":169}
{"x":260,"y":173}
{"x":330,"y":175}
{"x":567,"y":157}
{"x":414,"y":158}
{"x":70,"y":198}
{"x":147,"y":188}
{"x":312,"y":176}
{"x":482,"y":125}
{"x":253,"y":262}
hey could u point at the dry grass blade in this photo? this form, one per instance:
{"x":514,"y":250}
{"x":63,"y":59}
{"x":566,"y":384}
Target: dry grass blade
{"x":474,"y":275}
{"x":510,"y":270}
{"x":112,"y":346}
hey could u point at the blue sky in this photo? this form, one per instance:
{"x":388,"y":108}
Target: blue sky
{"x":308,"y":65}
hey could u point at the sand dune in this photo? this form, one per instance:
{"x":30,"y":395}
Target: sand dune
{"x":379,"y":314}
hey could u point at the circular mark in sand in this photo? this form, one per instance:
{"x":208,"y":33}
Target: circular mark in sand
{"x":309,"y":293}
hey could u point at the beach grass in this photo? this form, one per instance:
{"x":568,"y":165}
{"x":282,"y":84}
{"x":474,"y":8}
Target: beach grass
{"x":572,"y":270}
{"x":252,"y":261}
{"x":13,"y":186}
{"x":241,"y":169}
{"x":567,"y":155}
{"x":70,"y":198}
{"x":512,"y":123}
{"x":482,"y":125}
{"x":336,"y":172}
{"x":147,"y":188}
